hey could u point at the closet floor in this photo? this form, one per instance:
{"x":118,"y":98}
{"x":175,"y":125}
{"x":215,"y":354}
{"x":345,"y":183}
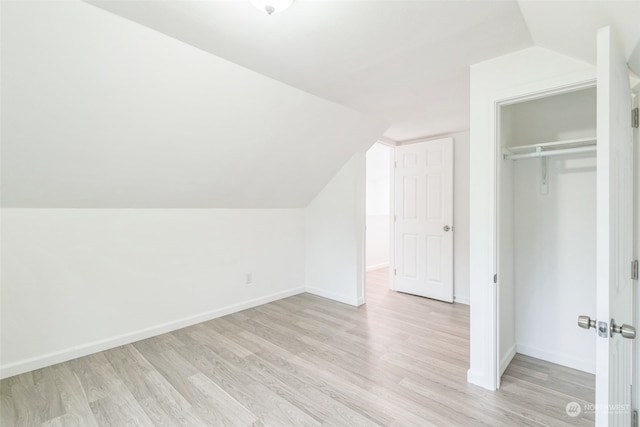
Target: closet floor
{"x":399,"y":360}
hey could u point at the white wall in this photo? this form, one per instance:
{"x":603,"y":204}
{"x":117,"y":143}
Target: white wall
{"x":517,"y":74}
{"x":378,"y":180}
{"x":99,"y":112}
{"x":334,"y":232}
{"x":555,"y":260}
{"x":76,"y":281}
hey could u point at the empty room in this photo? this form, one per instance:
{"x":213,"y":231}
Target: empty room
{"x":319,"y":212}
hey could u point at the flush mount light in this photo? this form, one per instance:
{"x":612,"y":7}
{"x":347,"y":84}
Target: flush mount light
{"x":271,"y":6}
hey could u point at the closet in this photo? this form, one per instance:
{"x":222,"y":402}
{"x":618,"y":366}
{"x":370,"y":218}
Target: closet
{"x":546,"y":227}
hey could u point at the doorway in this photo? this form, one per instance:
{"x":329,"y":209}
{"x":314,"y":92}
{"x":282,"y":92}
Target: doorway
{"x":381,"y":186}
{"x":379,"y":196}
{"x":546,"y":228}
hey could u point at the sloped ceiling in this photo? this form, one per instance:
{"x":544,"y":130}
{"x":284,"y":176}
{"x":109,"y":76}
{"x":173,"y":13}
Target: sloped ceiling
{"x":570,"y":27}
{"x":405,"y":61}
{"x":98,"y":111}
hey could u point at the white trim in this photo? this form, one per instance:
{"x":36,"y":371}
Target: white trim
{"x":430,"y":138}
{"x":392,"y":222}
{"x":476,"y":377}
{"x":497,"y":103}
{"x":636,"y":301}
{"x":361,"y":228}
{"x":579,"y":83}
{"x":387,"y":141}
{"x":504,"y":362}
{"x":356,"y":302}
{"x":377,"y":266}
{"x":460,"y":300}
{"x":586,"y":365}
{"x":484,"y":359}
{"x":49,"y":359}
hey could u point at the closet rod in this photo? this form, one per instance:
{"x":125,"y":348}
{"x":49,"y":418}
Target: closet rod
{"x":550,"y":153}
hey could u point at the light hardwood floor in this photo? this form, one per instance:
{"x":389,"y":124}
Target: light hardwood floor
{"x":399,"y":360}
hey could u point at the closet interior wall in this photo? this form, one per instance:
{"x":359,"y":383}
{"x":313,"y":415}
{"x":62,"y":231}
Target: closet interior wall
{"x":547,"y":236}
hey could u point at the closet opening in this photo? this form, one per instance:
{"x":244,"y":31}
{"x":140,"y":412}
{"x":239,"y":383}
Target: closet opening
{"x":546,"y":231}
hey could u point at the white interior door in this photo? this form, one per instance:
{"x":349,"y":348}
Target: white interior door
{"x":423,"y":236}
{"x":614,"y":234}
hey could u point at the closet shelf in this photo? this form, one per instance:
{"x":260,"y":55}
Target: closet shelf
{"x":554,"y":148}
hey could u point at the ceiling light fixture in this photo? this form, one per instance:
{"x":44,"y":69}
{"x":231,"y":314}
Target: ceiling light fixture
{"x":271,"y":6}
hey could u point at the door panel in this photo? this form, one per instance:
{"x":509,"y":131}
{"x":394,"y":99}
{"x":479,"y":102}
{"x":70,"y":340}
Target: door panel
{"x":423,"y":207}
{"x":614,"y":232}
{"x":410,"y":252}
{"x":410,"y":195}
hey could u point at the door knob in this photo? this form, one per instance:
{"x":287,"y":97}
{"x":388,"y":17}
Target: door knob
{"x":446,"y":228}
{"x":625,"y":330}
{"x":586,"y":322}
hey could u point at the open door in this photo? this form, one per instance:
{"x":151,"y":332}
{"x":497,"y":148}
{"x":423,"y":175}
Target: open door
{"x":423,"y":229}
{"x":614,"y":236}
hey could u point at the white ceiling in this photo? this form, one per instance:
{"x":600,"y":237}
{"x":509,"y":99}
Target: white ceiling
{"x":404,"y":61}
{"x":100,"y":112}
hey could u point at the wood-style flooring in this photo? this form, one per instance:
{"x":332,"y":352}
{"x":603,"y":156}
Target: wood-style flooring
{"x":399,"y":360}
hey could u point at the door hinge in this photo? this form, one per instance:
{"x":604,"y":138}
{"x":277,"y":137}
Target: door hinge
{"x":394,"y":218}
{"x":635,"y":118}
{"x":395,"y":272}
{"x":634,"y":270}
{"x":634,"y":418}
{"x":395,"y":164}
{"x":495,"y":278}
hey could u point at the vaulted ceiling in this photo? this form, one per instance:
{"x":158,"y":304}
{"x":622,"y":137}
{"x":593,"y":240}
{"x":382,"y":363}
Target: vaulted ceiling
{"x":404,"y":61}
{"x":100,"y":112}
{"x":214,"y":104}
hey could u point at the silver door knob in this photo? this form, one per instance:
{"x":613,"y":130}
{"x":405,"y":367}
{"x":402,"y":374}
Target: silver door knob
{"x":586,"y":322}
{"x":625,"y":330}
{"x":446,"y":228}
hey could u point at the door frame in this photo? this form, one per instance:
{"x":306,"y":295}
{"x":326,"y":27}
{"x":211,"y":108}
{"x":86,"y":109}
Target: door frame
{"x":484,"y":146}
{"x":635,"y":389}
{"x":363,"y":285}
{"x":500,"y":364}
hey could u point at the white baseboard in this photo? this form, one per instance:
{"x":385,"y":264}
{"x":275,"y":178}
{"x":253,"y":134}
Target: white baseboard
{"x":38,"y":362}
{"x":580,"y":364}
{"x":377,"y":266}
{"x":507,"y":358}
{"x":356,"y":302}
{"x":461,"y":300}
{"x":479,"y":379}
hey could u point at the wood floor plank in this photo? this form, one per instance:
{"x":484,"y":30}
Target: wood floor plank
{"x":399,"y":360}
{"x":119,"y":411}
{"x":72,"y":394}
{"x":220,"y":408}
{"x":45,"y":382}
{"x":157,"y":415}
{"x":67,"y":420}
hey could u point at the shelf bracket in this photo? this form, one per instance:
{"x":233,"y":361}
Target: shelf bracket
{"x":544,"y":173}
